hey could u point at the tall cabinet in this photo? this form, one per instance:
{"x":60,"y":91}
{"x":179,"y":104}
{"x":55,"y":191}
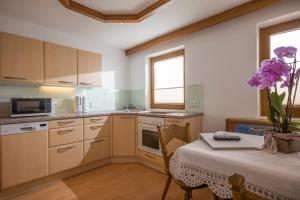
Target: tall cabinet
{"x":21,"y":59}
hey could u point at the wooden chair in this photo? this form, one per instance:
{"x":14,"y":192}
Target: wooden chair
{"x":171,"y":138}
{"x":239,"y":191}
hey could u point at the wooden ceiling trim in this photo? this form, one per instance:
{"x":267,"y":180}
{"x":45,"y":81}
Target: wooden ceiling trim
{"x":227,"y":15}
{"x":113,"y":18}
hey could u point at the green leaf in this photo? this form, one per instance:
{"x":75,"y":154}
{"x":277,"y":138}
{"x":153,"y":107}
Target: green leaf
{"x":282,"y":96}
{"x":276,"y":103}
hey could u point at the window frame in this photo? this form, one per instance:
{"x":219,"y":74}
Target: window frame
{"x":265,"y":34}
{"x":153,"y":60}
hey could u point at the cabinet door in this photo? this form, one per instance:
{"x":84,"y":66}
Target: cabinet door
{"x":60,"y":64}
{"x":124,"y":135}
{"x":65,"y":157}
{"x":96,"y":149}
{"x":21,"y":59}
{"x":89,"y":68}
{"x":24,"y":157}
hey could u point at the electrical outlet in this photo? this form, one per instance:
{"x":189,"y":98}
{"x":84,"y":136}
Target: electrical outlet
{"x":193,"y":103}
{"x":57,"y":103}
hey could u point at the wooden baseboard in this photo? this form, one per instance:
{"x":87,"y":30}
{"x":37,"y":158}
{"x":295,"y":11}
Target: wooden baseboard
{"x":33,"y":185}
{"x":19,"y":189}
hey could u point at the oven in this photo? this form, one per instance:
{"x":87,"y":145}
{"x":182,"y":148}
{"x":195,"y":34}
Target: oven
{"x":148,"y":137}
{"x":23,"y":107}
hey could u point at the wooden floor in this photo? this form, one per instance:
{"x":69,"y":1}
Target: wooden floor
{"x":113,"y":182}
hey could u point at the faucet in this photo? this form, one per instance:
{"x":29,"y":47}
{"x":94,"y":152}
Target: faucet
{"x":139,"y":107}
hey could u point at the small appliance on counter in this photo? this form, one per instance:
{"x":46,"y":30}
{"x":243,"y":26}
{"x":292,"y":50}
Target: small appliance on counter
{"x":26,"y":107}
{"x":78,"y":106}
{"x":82,"y":104}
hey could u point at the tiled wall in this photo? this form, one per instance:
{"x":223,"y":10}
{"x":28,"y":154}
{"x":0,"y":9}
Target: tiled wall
{"x":101,"y":99}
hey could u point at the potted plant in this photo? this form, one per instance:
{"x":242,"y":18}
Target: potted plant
{"x":272,"y":74}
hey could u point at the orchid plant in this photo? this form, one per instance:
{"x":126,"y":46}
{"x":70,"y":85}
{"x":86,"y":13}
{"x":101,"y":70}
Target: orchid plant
{"x":274,"y":73}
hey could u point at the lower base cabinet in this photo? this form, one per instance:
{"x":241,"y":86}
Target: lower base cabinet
{"x":96,"y":149}
{"x":65,"y":157}
{"x":24,"y":157}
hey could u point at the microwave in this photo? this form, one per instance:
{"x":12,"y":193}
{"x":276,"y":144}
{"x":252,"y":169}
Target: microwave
{"x":25,"y":107}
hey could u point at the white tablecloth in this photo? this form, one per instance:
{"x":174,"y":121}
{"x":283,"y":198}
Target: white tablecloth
{"x":275,"y":176}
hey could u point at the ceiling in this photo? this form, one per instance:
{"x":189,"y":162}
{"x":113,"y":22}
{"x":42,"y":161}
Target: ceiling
{"x":117,"y":6}
{"x":176,"y":14}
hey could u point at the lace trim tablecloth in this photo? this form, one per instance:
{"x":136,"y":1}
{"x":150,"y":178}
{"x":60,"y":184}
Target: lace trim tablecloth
{"x":194,"y":173}
{"x":194,"y":176}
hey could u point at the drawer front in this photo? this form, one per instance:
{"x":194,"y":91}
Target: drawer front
{"x":95,"y":120}
{"x":65,"y":136}
{"x":169,"y":121}
{"x":65,"y":157}
{"x":65,"y":123}
{"x":151,"y":157}
{"x":96,"y":149}
{"x":96,"y":131}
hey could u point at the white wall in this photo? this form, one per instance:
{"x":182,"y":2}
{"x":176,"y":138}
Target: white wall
{"x":115,"y":63}
{"x":221,"y":58}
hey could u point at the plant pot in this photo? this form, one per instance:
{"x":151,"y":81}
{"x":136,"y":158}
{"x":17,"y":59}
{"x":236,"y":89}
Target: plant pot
{"x":287,"y":143}
{"x":281,"y":142}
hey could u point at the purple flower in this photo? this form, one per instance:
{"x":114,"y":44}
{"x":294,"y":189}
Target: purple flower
{"x":254,"y":80}
{"x":289,"y":52}
{"x":271,"y":71}
{"x":286,"y":82}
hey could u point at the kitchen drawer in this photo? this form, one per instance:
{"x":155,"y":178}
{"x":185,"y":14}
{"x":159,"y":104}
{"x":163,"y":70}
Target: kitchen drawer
{"x":151,"y":157}
{"x":65,"y":157}
{"x":95,"y":120}
{"x":63,"y":136}
{"x":96,"y":130}
{"x":169,"y":121}
{"x":65,"y":123}
{"x":96,"y":149}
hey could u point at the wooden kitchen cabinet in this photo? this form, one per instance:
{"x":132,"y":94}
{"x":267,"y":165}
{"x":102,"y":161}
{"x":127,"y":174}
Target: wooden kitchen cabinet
{"x":65,"y":157}
{"x":21,"y":59}
{"x":89,"y":68}
{"x":60,"y":64}
{"x":63,"y":136}
{"x":195,"y":125}
{"x":124,"y":135}
{"x":96,"y":149}
{"x":24,"y":157}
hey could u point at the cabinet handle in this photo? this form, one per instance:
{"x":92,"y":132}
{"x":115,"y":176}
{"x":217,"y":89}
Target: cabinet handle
{"x":27,"y":128}
{"x":95,"y":120}
{"x":97,"y":141}
{"x":83,"y":83}
{"x":64,"y":123}
{"x":152,"y":157}
{"x":15,"y":78}
{"x":66,"y":82}
{"x":95,"y":127}
{"x":173,"y":121}
{"x":61,"y":150}
{"x":127,"y":117}
{"x":64,"y":132}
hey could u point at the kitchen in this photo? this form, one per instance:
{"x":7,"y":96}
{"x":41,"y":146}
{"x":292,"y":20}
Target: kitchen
{"x":82,"y":96}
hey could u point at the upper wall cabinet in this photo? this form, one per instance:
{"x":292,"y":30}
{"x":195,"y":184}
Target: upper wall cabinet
{"x":21,"y":59}
{"x":89,"y":68}
{"x":60,"y":64}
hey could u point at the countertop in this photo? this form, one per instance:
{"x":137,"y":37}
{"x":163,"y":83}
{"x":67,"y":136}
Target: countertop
{"x":180,"y":115}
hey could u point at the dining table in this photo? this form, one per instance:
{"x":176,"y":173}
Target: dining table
{"x":275,"y":176}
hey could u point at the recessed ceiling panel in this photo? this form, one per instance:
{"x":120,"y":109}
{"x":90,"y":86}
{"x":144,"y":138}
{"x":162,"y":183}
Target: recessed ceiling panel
{"x":117,"y":6}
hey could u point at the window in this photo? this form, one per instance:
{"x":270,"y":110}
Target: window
{"x":167,"y":81}
{"x":284,"y":34}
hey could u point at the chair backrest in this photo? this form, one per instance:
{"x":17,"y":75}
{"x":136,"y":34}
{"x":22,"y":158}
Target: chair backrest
{"x":239,"y":191}
{"x":171,"y":138}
